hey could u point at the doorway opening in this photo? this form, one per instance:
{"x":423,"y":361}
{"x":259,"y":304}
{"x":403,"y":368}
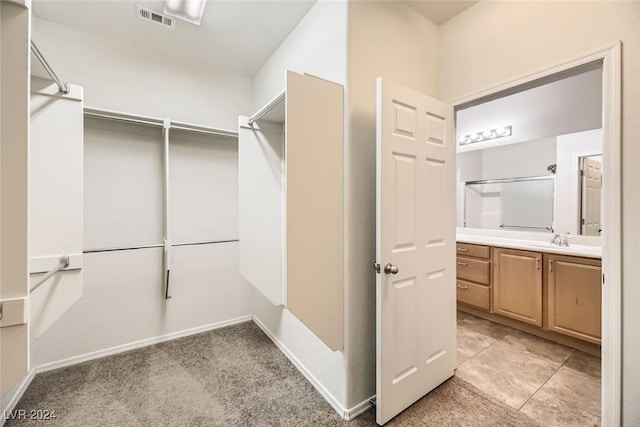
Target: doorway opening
{"x":538,"y":230}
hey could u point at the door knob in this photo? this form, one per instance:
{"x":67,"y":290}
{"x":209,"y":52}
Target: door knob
{"x":390,"y":269}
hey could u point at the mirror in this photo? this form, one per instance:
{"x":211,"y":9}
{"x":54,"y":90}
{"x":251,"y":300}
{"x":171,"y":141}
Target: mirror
{"x":547,"y":185}
{"x":531,"y":159}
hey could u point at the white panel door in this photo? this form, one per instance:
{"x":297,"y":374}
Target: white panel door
{"x":416,"y":211}
{"x":591,"y":197}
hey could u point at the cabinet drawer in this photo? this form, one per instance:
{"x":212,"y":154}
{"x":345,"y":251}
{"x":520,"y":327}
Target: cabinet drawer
{"x":473,"y":294}
{"x":477,"y":251}
{"x":476,"y":270}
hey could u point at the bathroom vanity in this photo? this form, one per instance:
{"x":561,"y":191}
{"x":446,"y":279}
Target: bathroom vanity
{"x":550,"y":291}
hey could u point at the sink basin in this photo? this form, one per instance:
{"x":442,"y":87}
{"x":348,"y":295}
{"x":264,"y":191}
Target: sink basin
{"x":572,"y":248}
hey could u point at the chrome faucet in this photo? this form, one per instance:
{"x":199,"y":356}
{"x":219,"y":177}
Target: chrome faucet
{"x":560,"y":240}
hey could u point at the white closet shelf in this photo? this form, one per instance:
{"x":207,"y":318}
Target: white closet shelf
{"x":273,"y":111}
{"x":154,"y":121}
{"x":291,"y":203}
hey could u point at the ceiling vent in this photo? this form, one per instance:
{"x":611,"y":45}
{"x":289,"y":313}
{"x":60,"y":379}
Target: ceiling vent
{"x":153,"y":16}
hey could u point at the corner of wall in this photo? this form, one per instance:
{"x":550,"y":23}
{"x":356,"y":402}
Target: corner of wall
{"x":406,"y":52}
{"x":311,"y":49}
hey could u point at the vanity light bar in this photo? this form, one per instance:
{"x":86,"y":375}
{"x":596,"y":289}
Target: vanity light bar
{"x":485,"y":135}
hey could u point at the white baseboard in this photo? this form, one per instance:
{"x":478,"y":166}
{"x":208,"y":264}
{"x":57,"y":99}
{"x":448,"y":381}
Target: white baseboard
{"x":345,"y":414}
{"x":138,"y":344}
{"x":18,"y":392}
{"x":360,"y":408}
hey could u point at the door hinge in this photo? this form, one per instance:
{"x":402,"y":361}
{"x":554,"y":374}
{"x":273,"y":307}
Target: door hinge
{"x":603,"y":278}
{"x":376,"y":267}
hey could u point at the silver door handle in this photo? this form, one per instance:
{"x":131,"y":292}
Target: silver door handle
{"x":390,"y":269}
{"x":462,"y":286}
{"x":463,"y":249}
{"x":464,"y":264}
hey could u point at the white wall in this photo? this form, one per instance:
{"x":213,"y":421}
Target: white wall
{"x":123,"y":196}
{"x":569,"y":105}
{"x":492,"y":42}
{"x":55,"y":199}
{"x":123,"y":301}
{"x":310,"y":48}
{"x":203,"y":187}
{"x":118,"y":76}
{"x":570,"y":148}
{"x":386,"y":39}
{"x":123,"y":184}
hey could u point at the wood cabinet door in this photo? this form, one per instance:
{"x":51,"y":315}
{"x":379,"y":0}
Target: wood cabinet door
{"x":517,"y":282}
{"x":575,"y":297}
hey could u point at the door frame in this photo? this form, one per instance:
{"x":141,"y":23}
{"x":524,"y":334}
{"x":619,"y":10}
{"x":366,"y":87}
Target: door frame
{"x":610,"y":55}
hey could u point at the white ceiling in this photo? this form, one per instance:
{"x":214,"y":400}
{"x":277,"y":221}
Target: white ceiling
{"x":237,"y":36}
{"x":439,"y":12}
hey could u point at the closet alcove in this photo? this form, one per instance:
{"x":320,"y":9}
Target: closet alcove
{"x":291,"y":207}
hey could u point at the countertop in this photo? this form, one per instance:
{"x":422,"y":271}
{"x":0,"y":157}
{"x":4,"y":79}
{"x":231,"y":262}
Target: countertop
{"x":532,"y":245}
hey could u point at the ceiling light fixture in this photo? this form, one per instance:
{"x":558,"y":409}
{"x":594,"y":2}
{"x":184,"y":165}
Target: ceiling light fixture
{"x":485,"y":135}
{"x":187,"y":10}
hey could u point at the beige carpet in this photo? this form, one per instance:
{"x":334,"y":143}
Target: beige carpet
{"x":228,"y":377}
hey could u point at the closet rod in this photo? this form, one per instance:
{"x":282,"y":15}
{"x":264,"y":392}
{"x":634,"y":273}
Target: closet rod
{"x":159,"y":245}
{"x":204,"y":243}
{"x":63,"y":263}
{"x":63,"y":88}
{"x":152,"y":121}
{"x":509,"y":180}
{"x":270,"y":106}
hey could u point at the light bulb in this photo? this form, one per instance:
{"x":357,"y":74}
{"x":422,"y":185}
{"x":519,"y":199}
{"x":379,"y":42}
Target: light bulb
{"x":505,"y":131}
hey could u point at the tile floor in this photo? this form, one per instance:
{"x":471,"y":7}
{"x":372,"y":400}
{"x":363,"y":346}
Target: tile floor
{"x":553,"y":384}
